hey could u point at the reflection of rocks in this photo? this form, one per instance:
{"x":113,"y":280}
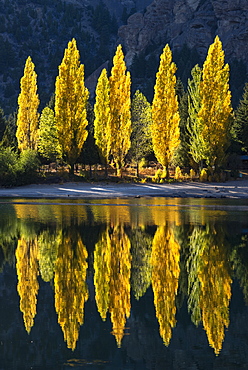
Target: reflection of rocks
{"x":193,"y":22}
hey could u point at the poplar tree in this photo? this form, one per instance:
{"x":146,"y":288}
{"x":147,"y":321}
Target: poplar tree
{"x":71,"y":97}
{"x":120,"y":112}
{"x":102,"y":117}
{"x":165,"y":127}
{"x":28,"y":102}
{"x":216,"y":109}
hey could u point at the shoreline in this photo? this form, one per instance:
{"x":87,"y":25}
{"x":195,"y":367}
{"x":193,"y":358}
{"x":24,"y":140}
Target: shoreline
{"x":237,"y":189}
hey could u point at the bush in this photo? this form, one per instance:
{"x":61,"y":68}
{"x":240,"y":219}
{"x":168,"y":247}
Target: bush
{"x":204,"y":175}
{"x":18,"y":170}
{"x":159,"y":176}
{"x":178,"y":173}
{"x":28,"y":165}
{"x":192,"y":174}
{"x":8,"y":163}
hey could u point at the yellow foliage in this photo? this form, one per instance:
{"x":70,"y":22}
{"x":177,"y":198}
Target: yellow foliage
{"x":204,"y":175}
{"x":71,"y":291}
{"x":165,"y":274}
{"x":178,"y":173}
{"x":216,"y":109}
{"x":209,"y":284}
{"x":119,"y":288}
{"x":28,"y":102}
{"x":71,"y":97}
{"x":27,"y":273}
{"x":165,"y":127}
{"x":120,"y":110}
{"x":102,"y":258}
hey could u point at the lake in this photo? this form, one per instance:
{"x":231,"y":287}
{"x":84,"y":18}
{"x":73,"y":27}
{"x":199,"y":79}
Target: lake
{"x":148,"y":283}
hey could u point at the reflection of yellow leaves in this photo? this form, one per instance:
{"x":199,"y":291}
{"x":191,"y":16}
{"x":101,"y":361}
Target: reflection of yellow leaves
{"x":27,"y":272}
{"x":166,"y":270}
{"x":209,"y":283}
{"x":71,"y":291}
{"x":120,"y":264}
{"x":215,"y":296}
{"x":102,"y":256}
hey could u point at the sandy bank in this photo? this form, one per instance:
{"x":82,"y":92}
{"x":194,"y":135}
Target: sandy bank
{"x":232,"y":189}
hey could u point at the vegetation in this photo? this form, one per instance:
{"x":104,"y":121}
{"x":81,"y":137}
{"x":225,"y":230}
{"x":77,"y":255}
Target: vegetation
{"x":120,"y":115}
{"x":28,"y":102}
{"x":165,"y":115}
{"x":181,"y":127}
{"x":71,"y":98}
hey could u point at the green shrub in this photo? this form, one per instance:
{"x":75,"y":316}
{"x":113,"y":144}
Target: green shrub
{"x":17,"y":170}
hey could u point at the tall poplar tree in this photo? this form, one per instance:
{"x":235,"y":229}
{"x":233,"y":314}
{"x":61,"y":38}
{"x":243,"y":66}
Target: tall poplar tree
{"x":120,"y":110}
{"x":102,"y":117}
{"x":71,"y":97}
{"x":165,"y":115}
{"x":216,"y":109}
{"x":28,"y":102}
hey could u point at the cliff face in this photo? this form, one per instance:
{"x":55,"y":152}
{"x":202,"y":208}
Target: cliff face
{"x":191,"y":22}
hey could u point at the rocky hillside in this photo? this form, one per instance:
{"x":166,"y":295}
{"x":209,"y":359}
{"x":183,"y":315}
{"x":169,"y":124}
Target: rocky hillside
{"x":191,"y":22}
{"x":190,"y":25}
{"x":42,"y":29}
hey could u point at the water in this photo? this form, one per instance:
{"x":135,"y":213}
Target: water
{"x":150,"y":283}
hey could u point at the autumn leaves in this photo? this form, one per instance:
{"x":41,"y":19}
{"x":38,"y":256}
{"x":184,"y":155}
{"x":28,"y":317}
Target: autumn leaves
{"x":209,"y":112}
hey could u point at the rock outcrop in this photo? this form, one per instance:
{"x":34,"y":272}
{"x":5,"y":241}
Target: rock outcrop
{"x":191,"y":22}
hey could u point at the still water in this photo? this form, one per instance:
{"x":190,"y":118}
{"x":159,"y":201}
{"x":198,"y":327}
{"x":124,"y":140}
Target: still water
{"x":124,"y":284}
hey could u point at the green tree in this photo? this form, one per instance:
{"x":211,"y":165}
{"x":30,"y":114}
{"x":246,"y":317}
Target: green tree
{"x":194,"y":124}
{"x":165,"y":115}
{"x":181,"y":156}
{"x":141,"y":118}
{"x":71,"y":97}
{"x":102,"y":117}
{"x":240,"y":128}
{"x":2,"y":123}
{"x":216,"y":110}
{"x":9,"y":136}
{"x":48,"y":144}
{"x":28,"y":102}
{"x":120,"y":112}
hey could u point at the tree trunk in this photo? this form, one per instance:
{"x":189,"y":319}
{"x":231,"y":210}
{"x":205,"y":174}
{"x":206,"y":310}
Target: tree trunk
{"x":71,"y":170}
{"x":137,"y":169}
{"x":106,"y":170}
{"x":118,"y":169}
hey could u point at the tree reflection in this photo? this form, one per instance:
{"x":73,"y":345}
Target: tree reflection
{"x":48,"y":249}
{"x":71,"y":291}
{"x":165,"y":274}
{"x":27,"y":272}
{"x":102,"y":258}
{"x":141,"y":248}
{"x":112,"y":278}
{"x":209,"y":283}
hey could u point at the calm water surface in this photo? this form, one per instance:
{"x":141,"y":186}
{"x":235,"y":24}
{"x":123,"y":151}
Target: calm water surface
{"x":150,"y":283}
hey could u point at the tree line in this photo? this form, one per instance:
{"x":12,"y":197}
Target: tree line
{"x":194,"y":127}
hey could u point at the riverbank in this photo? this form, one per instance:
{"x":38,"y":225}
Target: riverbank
{"x":103,"y":190}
